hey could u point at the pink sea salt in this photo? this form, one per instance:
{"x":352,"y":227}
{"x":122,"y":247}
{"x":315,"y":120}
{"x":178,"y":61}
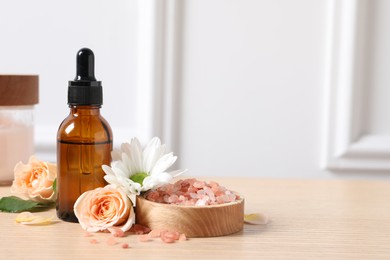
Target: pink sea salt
{"x":143,"y":238}
{"x":116,"y":232}
{"x":154,"y":233}
{"x":139,"y":229}
{"x":192,"y":192}
{"x":125,"y":245}
{"x":182,"y":237}
{"x":169,"y":236}
{"x":93,"y":241}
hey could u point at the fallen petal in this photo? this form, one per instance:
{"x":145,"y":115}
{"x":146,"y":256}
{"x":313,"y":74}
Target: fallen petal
{"x":27,"y":218}
{"x":256,"y":219}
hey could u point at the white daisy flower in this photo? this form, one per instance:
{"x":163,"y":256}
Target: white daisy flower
{"x":135,"y":170}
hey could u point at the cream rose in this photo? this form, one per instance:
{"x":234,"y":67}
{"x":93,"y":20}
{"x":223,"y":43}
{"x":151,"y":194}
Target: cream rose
{"x":34,"y":180}
{"x":103,"y":208}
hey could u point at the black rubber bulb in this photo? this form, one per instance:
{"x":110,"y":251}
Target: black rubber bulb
{"x":85,"y":65}
{"x":85,"y":89}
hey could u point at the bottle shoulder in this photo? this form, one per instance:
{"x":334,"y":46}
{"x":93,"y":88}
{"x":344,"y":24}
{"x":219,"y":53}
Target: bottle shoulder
{"x":85,"y":128}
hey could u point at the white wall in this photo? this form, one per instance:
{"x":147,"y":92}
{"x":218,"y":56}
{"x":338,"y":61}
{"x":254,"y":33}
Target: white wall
{"x":255,"y":82}
{"x":42,"y":37}
{"x":253,"y":78}
{"x":250,"y":87}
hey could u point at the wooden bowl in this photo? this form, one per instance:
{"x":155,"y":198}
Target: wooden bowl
{"x":193,"y":221}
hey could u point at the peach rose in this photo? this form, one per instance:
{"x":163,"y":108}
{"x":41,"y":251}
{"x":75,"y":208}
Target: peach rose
{"x":104,"y":208}
{"x":34,"y":180}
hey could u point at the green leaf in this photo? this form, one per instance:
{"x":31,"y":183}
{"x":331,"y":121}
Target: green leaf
{"x":15,"y":204}
{"x":55,"y":185}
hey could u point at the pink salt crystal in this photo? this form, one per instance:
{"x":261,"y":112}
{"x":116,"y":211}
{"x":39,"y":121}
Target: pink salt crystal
{"x":230,"y":196}
{"x":192,"y":181}
{"x":192,"y":192}
{"x":116,"y":232}
{"x":166,"y":198}
{"x":198,"y":184}
{"x":182,"y":237}
{"x":209,"y":193}
{"x":201,"y":192}
{"x":201,"y":202}
{"x":87,"y":234}
{"x":220,"y":199}
{"x":169,"y":236}
{"x":213,"y":183}
{"x":153,"y":196}
{"x":173,"y":199}
{"x":190,"y":203}
{"x":192,"y":189}
{"x":154,"y":233}
{"x":125,"y":245}
{"x":111,"y":241}
{"x":93,"y":241}
{"x":143,"y":238}
{"x":219,"y":192}
{"x":177,"y":185}
{"x":177,"y":235}
{"x":167,"y":240}
{"x":139,"y":229}
{"x":215,"y":189}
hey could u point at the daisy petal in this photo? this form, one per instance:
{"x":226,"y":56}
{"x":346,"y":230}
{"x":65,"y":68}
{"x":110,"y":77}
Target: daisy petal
{"x":131,"y":159}
{"x":163,"y":163}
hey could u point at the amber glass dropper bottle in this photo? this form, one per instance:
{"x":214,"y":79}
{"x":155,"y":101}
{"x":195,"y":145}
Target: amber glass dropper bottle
{"x":84,"y":139}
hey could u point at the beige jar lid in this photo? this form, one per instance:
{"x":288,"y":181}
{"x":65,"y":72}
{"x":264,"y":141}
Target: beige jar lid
{"x":19,"y":90}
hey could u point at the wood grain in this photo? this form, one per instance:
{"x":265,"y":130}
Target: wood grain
{"x":205,"y":221}
{"x":309,"y":219}
{"x":19,"y":90}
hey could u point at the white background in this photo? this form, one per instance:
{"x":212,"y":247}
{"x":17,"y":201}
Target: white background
{"x":252,"y":77}
{"x":42,"y":37}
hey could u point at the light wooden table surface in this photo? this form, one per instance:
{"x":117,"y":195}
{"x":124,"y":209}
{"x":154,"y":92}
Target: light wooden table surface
{"x":309,"y":219}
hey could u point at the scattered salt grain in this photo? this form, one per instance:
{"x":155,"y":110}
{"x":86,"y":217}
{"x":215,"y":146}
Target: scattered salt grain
{"x":143,"y":238}
{"x":116,"y":232}
{"x":154,"y":233}
{"x":125,"y":245}
{"x":169,"y":236}
{"x":139,"y":229}
{"x":93,"y":241}
{"x":182,"y":237}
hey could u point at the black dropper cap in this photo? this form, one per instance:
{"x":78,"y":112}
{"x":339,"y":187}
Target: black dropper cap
{"x":85,"y":89}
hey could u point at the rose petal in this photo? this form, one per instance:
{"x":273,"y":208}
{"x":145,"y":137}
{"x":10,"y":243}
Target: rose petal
{"x":256,"y":219}
{"x":104,"y":208}
{"x":34,"y":180}
{"x":27,"y":218}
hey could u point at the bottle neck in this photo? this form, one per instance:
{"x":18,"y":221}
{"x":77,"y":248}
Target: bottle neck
{"x":84,"y":110}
